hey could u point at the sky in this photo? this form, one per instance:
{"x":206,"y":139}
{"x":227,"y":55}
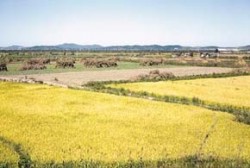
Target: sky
{"x":125,"y":22}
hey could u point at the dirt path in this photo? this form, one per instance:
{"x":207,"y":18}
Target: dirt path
{"x":79,"y":78}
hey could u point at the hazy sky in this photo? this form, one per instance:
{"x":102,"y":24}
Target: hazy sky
{"x":119,"y":22}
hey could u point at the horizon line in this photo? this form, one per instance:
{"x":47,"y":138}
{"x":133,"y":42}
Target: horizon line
{"x":114,"y":45}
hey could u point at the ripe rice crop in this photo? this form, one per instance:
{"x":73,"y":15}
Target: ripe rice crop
{"x":230,"y":91}
{"x":61,"y":125}
{"x":7,"y":155}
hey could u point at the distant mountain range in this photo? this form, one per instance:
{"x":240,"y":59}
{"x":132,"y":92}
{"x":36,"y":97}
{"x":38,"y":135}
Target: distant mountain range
{"x":14,"y":47}
{"x":72,"y":46}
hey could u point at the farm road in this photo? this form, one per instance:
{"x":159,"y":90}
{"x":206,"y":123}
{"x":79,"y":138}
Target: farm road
{"x":79,"y":78}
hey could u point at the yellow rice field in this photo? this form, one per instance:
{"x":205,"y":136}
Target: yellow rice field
{"x":7,"y":155}
{"x":57,"y":124}
{"x":232,"y":90}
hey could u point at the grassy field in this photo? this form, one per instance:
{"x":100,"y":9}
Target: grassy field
{"x":13,"y":69}
{"x":231,"y":91}
{"x":62,"y":125}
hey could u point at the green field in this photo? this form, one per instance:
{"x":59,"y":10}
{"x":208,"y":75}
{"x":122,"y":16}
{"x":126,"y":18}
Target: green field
{"x":229,"y":91}
{"x":61,"y":125}
{"x":14,"y":68}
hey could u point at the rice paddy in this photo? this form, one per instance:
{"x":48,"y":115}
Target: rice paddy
{"x":62,"y":125}
{"x":230,"y":91}
{"x":7,"y":155}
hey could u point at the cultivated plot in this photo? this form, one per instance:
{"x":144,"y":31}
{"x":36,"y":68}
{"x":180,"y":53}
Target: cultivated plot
{"x":230,"y":91}
{"x":60,"y":125}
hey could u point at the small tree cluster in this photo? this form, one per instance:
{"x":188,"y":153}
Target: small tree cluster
{"x":100,"y":63}
{"x":65,"y":63}
{"x":151,"y":62}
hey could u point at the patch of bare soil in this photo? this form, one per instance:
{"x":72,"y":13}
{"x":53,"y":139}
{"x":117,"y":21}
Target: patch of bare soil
{"x":79,"y":78}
